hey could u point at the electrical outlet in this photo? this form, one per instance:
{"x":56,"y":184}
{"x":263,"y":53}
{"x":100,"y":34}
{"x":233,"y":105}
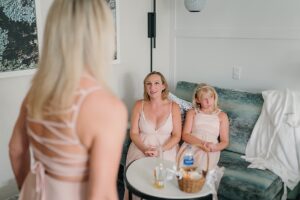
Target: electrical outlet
{"x":236,"y":73}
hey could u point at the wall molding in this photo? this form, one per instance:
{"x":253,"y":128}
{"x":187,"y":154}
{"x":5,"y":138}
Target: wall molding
{"x":14,"y":74}
{"x":240,"y":33}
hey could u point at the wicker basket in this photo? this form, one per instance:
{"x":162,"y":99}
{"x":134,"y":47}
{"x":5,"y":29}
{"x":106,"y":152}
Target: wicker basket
{"x":188,"y":184}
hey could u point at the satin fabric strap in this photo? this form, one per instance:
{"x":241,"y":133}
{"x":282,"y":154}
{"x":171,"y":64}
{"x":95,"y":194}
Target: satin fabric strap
{"x":39,"y":171}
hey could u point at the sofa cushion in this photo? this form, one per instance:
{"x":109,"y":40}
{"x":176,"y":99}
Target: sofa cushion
{"x":243,"y":109}
{"x":185,"y":90}
{"x":183,"y":105}
{"x":240,"y":182}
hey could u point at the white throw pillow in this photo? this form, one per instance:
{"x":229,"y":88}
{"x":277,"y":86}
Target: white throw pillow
{"x":183,"y":104}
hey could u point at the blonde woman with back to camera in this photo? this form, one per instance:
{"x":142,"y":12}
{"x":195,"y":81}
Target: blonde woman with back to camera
{"x":155,"y":123}
{"x":67,"y":117}
{"x":206,"y":127}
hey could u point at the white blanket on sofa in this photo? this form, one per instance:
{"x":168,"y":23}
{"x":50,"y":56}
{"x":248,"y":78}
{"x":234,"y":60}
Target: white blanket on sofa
{"x":275,"y":141}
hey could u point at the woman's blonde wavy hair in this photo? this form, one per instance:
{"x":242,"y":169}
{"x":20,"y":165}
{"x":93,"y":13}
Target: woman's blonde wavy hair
{"x":164,"y":93}
{"x":202,"y":89}
{"x":78,"y":37}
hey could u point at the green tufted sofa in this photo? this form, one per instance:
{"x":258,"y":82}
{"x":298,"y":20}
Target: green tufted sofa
{"x":238,"y":181}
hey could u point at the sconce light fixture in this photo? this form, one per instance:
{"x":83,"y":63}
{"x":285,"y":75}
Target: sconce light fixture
{"x":152,"y":32}
{"x":194,"y":5}
{"x":191,"y":5}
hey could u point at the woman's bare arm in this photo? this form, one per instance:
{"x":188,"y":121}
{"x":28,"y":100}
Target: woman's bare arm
{"x":102,"y":128}
{"x":134,"y":129}
{"x":19,"y":148}
{"x":224,"y":134}
{"x":176,"y":132}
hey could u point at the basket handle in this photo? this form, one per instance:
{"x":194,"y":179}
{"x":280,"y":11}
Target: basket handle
{"x":199,"y":146}
{"x":207,"y":160}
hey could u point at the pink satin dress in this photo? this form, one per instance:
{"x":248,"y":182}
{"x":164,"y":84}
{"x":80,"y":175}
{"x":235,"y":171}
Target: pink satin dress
{"x":155,"y":137}
{"x":61,"y":140}
{"x":207,"y":128}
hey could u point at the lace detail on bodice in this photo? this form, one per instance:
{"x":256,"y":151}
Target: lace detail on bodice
{"x":66,"y":156}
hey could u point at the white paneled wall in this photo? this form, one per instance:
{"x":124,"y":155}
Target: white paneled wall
{"x":262,"y":38}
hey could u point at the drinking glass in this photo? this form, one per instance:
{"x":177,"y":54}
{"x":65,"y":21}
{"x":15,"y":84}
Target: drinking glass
{"x":159,"y":170}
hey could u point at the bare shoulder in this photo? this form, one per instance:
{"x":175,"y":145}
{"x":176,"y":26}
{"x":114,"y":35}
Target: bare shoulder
{"x":100,"y":99}
{"x":223,"y":116}
{"x":137,"y":108}
{"x":175,"y":106}
{"x":101,"y":113}
{"x":103,"y":102}
{"x":138,"y":104}
{"x":191,"y":112}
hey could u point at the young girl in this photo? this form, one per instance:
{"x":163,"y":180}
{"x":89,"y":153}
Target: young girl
{"x":203,"y":126}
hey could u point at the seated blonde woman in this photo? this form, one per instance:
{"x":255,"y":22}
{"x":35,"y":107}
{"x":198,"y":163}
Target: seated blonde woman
{"x":155,"y":122}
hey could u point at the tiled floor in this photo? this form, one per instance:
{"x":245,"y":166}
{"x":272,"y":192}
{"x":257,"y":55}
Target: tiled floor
{"x":8,"y":190}
{"x":15,"y":197}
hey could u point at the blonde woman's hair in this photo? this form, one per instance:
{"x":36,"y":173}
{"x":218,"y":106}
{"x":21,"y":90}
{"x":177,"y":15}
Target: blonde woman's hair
{"x":165,"y":92}
{"x":78,"y":37}
{"x":202,"y":89}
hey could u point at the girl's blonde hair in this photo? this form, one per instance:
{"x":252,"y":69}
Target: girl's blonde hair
{"x":164,"y":93}
{"x":202,"y":89}
{"x":78,"y":37}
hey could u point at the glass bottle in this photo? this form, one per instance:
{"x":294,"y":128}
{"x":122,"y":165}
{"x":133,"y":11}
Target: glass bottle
{"x":188,"y":158}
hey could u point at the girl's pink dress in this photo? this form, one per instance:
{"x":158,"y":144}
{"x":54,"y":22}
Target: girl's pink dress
{"x":205,"y":127}
{"x":152,"y":136}
{"x":38,"y":184}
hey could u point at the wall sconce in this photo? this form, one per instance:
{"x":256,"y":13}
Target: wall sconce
{"x":194,"y":5}
{"x":191,"y":5}
{"x":152,"y":32}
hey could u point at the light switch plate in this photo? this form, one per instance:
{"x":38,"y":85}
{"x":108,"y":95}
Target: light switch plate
{"x":236,"y":73}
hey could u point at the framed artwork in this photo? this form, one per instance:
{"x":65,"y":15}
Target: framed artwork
{"x":18,"y":37}
{"x":114,"y":6}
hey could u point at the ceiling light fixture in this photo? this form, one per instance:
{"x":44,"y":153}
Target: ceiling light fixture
{"x":194,"y":5}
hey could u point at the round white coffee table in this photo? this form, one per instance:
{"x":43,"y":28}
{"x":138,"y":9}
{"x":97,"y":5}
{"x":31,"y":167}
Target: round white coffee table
{"x":139,"y":181}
